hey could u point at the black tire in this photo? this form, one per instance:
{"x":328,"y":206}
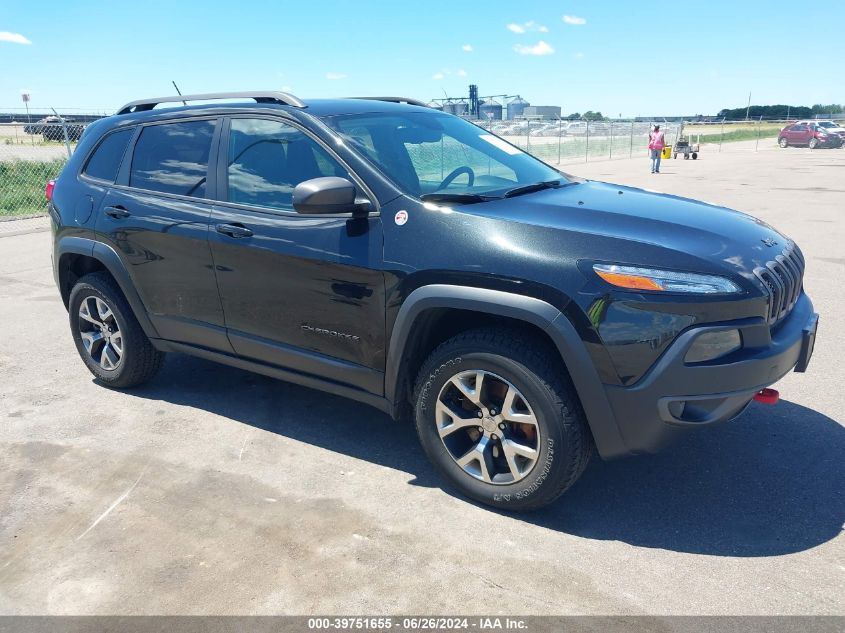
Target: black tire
{"x":686,"y":156}
{"x":563,"y":441}
{"x":783,"y":142}
{"x":139,"y":360}
{"x":695,"y":155}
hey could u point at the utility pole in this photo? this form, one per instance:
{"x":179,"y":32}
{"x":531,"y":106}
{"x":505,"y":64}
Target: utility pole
{"x":748,"y":109}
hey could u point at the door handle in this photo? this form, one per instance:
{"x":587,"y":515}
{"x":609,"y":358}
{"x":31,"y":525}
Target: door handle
{"x":233,"y":230}
{"x":118,"y":213}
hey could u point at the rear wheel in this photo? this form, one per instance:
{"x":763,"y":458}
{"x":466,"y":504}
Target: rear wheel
{"x":783,"y":142}
{"x":497,"y":416}
{"x":814,"y":143}
{"x":108,"y":337}
{"x":695,"y":155}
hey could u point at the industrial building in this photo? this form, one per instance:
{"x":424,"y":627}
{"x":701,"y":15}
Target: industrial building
{"x":494,"y":107}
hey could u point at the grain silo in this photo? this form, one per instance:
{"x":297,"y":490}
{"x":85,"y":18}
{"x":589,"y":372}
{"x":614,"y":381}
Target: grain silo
{"x":490,"y":111}
{"x":516,"y":108}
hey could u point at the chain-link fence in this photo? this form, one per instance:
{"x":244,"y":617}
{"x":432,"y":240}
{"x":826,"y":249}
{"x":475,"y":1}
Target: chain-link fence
{"x":30,"y":155}
{"x":563,"y":141}
{"x":33,"y":150}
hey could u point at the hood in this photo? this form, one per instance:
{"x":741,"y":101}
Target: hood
{"x":721,"y":236}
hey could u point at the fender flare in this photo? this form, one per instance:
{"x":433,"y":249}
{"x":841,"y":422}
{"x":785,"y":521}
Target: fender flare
{"x":111,"y":261}
{"x":537,"y":312}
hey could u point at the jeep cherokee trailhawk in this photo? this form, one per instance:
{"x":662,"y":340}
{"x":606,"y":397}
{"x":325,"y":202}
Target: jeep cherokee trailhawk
{"x":393,"y":254}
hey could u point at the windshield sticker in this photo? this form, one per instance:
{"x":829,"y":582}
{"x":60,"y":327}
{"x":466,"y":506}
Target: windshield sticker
{"x":495,"y":141}
{"x":401,"y":217}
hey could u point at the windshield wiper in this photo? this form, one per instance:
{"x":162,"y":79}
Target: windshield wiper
{"x":467,"y":198}
{"x":537,"y":186}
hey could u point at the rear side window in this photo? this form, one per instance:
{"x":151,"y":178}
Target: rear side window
{"x":105,"y":161}
{"x":173,"y":158}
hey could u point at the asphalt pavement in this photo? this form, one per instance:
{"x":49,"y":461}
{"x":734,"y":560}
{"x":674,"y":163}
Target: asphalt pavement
{"x":216,"y":491}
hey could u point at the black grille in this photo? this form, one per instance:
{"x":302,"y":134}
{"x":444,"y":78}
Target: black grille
{"x":782,"y":277}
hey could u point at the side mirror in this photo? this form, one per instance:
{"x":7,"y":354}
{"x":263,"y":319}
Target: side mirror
{"x":327,"y":195}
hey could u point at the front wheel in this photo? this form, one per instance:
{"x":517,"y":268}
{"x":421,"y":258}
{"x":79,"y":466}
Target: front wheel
{"x":783,"y":142}
{"x":498,"y":417}
{"x":814,"y":143}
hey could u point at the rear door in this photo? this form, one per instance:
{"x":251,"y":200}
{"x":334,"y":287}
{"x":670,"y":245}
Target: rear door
{"x":156,"y":218}
{"x":299,"y":291}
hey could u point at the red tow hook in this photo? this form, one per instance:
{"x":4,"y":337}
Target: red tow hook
{"x":767,"y":396}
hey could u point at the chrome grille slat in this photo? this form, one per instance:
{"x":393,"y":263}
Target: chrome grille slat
{"x":782,"y":279}
{"x":796,"y":274}
{"x":790,"y":280}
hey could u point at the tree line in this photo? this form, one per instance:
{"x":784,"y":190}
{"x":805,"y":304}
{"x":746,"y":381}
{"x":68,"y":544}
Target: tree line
{"x":780,"y":111}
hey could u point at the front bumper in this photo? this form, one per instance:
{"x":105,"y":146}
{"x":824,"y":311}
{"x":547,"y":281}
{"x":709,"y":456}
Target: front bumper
{"x":675,"y":395}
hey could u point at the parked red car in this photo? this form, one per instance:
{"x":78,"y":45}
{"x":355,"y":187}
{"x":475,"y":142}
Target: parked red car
{"x":810,"y":134}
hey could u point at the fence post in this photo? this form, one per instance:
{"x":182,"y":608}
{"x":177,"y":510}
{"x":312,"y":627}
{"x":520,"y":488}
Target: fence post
{"x":757,"y":143}
{"x":631,"y":153}
{"x":587,"y":150}
{"x":721,"y":134}
{"x":559,"y":138}
{"x":528,"y":136}
{"x":610,"y":150}
{"x":64,"y":131}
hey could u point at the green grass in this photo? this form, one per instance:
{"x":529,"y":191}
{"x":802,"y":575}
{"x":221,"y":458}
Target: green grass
{"x":22,"y":185}
{"x":731,"y":136}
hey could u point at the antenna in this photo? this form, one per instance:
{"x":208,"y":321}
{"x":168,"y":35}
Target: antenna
{"x":178,"y":92}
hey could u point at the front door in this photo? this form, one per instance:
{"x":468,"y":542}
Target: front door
{"x":304,"y":292}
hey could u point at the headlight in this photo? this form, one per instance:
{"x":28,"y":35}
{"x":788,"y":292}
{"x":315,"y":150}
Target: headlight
{"x":634,"y":278}
{"x":712,"y":345}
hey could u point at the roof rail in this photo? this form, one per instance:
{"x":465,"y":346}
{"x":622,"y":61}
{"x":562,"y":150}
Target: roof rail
{"x":282,"y":98}
{"x":408,"y":100}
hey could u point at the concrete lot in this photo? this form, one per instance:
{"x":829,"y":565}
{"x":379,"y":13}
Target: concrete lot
{"x":214,"y":491}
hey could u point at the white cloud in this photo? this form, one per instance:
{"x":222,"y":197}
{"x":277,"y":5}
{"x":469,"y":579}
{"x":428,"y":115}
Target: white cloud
{"x":14,"y":38}
{"x":574,"y":20}
{"x":461,"y":73}
{"x":438,"y":76}
{"x":335,"y":76}
{"x":540,"y":48}
{"x":467,"y":48}
{"x":525,"y":27}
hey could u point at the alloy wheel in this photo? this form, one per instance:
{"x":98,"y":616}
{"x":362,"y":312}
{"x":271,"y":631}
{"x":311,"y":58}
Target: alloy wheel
{"x":488,"y":427}
{"x":100,"y":333}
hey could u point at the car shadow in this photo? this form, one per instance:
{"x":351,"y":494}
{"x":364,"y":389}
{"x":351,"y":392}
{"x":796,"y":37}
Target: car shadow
{"x":769,"y":483}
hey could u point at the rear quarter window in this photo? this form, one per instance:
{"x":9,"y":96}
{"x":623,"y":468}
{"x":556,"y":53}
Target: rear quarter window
{"x":104,"y":163}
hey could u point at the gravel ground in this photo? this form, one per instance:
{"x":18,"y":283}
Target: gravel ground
{"x":215,"y":491}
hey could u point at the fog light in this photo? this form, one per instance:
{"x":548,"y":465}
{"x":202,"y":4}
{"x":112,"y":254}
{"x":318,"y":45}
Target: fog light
{"x":711,"y":345}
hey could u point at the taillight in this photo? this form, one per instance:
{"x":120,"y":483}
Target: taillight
{"x":48,"y":190}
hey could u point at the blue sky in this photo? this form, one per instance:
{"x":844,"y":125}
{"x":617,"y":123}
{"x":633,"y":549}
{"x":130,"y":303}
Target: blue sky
{"x":627,"y":58}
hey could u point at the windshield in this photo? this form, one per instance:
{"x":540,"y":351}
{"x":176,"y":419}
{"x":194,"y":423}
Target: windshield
{"x":434,"y":155}
{"x":828,"y":124}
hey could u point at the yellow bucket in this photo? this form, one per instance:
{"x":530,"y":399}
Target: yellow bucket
{"x":667,"y":151}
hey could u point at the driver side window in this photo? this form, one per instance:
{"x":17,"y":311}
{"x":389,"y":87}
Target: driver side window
{"x":267,"y":159}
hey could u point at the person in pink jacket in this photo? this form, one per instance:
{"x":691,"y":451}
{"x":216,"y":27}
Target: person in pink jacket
{"x":656,"y":143}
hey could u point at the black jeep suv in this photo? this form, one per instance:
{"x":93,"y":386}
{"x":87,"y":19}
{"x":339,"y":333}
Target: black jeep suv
{"x":406,"y":258}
